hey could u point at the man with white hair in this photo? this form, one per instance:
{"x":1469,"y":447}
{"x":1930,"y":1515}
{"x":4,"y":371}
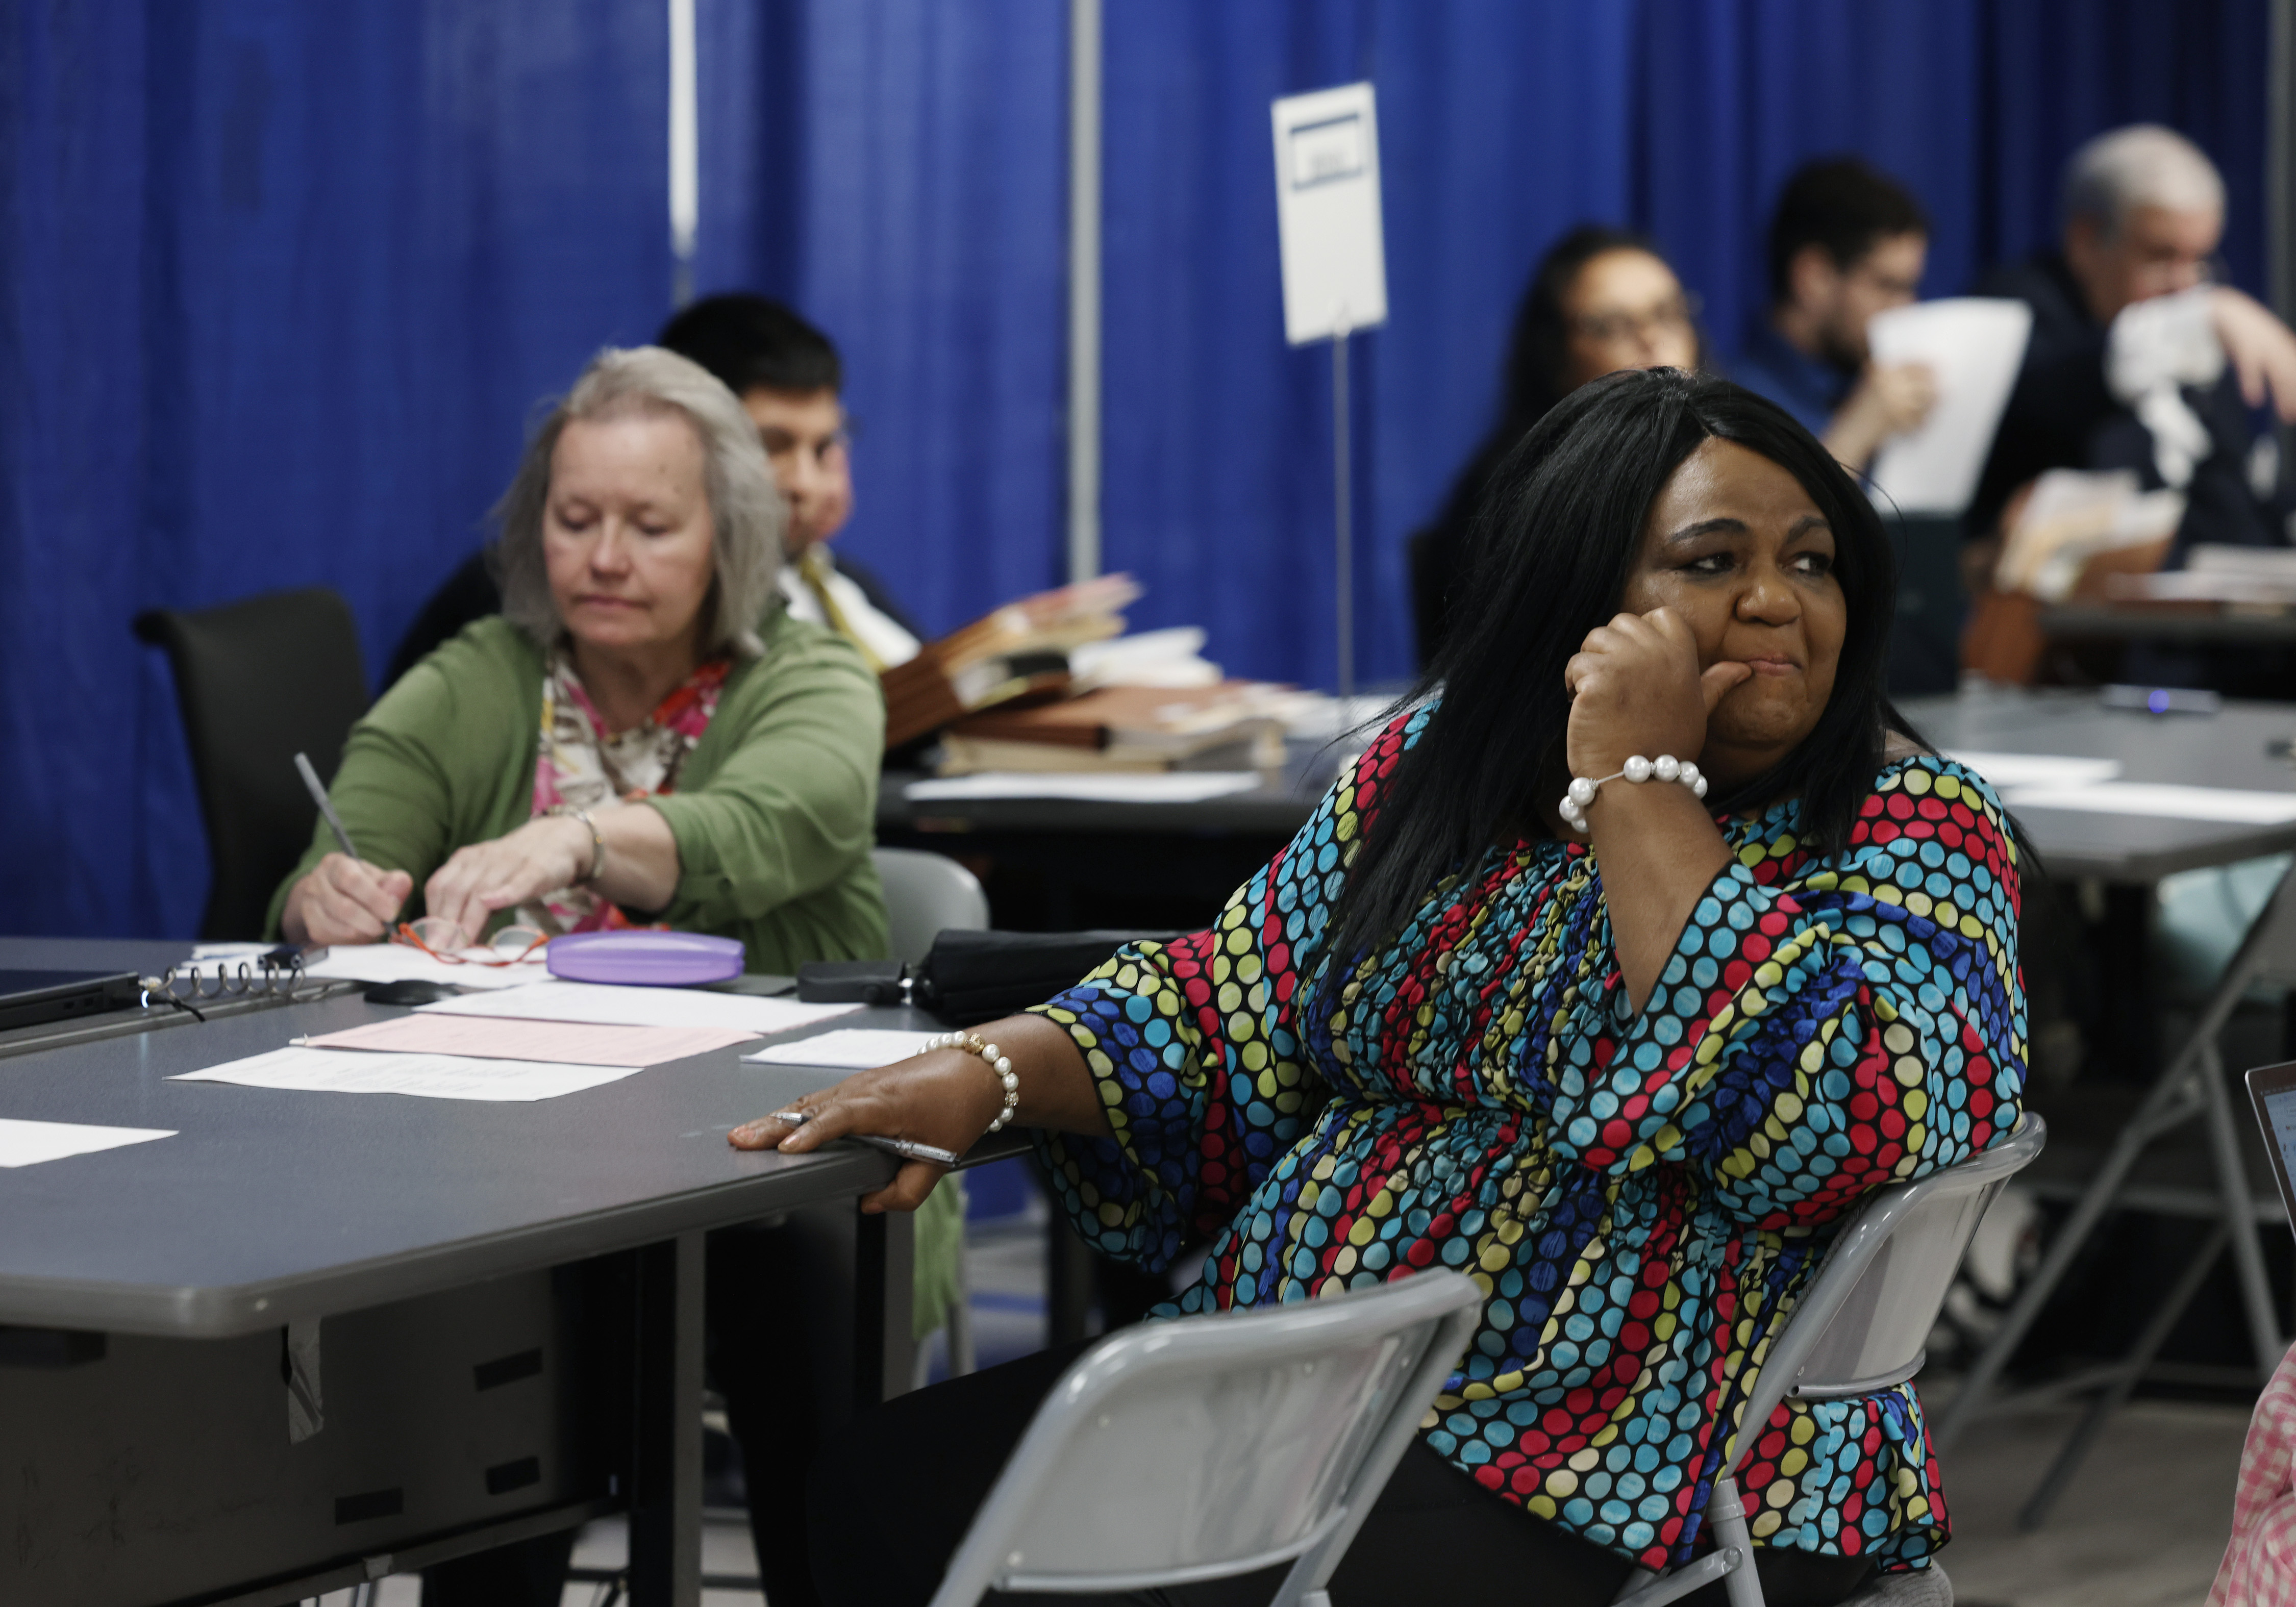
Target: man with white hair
{"x":2138,"y":360}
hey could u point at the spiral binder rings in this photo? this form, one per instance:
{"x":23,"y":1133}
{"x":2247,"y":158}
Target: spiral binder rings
{"x":277,"y":975}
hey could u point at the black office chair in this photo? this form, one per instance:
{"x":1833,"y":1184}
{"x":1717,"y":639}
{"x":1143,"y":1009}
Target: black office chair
{"x":259,"y":682}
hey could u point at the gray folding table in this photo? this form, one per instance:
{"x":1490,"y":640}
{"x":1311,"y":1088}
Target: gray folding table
{"x":493,"y":1312}
{"x":2230,"y":749}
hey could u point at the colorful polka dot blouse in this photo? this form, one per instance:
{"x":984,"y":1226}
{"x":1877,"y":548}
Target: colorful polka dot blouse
{"x":1641,"y":1197}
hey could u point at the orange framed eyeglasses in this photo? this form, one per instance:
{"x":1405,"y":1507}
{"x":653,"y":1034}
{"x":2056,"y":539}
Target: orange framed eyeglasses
{"x":443,"y":941}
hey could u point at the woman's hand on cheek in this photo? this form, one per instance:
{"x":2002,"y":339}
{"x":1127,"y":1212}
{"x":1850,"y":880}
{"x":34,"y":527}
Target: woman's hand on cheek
{"x":540,"y":856}
{"x":1636,"y":687}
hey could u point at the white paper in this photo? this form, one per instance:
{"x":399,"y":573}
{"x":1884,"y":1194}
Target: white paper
{"x":2161,"y":799}
{"x":1155,"y":787}
{"x":610,"y":1006}
{"x":29,"y":1142}
{"x":2008,"y":770}
{"x":853,"y":1048}
{"x":1319,"y":718}
{"x":499,"y":1037}
{"x":1327,"y":213}
{"x":427,"y":1076}
{"x":1974,"y":345}
{"x":403,"y":962}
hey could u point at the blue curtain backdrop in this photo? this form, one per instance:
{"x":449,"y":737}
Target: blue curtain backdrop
{"x":279,"y":285}
{"x":898,"y":170}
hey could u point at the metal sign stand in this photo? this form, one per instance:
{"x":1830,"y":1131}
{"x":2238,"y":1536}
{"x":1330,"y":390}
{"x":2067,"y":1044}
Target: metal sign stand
{"x":1342,"y":507}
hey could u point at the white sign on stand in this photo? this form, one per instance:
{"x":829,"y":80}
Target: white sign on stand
{"x":1327,"y":213}
{"x":1335,"y":251}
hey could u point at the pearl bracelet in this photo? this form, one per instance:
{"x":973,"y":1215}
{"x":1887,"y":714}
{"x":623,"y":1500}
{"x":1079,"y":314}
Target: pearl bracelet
{"x":1664,"y":767}
{"x":998,"y":1061}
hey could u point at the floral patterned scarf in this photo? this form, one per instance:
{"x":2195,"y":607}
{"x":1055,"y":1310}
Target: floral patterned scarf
{"x":579,"y":765}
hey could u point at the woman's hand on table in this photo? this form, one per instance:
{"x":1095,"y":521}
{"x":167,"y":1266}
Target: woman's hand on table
{"x":541,"y":857}
{"x":345,"y":900}
{"x":944,"y":1097}
{"x":1636,"y":687}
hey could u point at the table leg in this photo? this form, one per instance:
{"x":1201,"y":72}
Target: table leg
{"x":2116,"y":1393}
{"x":2240,"y":1215}
{"x":665,"y":1492}
{"x":2193,"y":1084}
{"x":884,"y":1302}
{"x":1068,"y":1283}
{"x":2168,"y":1104}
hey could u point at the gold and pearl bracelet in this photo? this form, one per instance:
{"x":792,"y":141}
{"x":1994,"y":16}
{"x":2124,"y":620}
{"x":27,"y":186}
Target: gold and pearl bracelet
{"x":1637,"y":769}
{"x":998,"y":1061}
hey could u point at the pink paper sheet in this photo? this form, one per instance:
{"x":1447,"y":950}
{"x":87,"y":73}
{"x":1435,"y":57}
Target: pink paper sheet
{"x":564,"y":1043}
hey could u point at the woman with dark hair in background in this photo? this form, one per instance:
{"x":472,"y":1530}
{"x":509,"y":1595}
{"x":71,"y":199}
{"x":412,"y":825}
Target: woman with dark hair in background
{"x":1601,"y":300}
{"x":1522,"y":999}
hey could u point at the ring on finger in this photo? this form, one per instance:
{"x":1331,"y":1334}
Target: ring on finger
{"x":795,"y":1118}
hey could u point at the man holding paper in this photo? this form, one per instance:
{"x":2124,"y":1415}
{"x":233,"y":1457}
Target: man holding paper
{"x":1846,"y":242}
{"x":2137,"y":361}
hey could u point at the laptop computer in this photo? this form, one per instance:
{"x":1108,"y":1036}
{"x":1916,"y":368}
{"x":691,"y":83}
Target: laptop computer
{"x":30,"y":997}
{"x":2272,"y":1091}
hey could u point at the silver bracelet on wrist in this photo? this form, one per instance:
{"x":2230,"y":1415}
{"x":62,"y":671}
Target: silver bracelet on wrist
{"x":597,"y":841}
{"x":1637,"y":769}
{"x":998,"y":1061}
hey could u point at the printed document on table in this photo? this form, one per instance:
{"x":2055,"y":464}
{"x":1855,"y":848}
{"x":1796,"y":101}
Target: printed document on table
{"x":2155,"y":798}
{"x":403,"y":962}
{"x":852,"y":1048}
{"x":428,"y":1075}
{"x":566,"y":1043}
{"x":29,"y":1142}
{"x":2007,"y":770}
{"x":613,"y":1006}
{"x":1974,"y":345}
{"x":1155,"y":787}
{"x":209,"y":953}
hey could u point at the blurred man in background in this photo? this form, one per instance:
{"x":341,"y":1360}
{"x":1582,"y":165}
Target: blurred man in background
{"x":792,"y":383}
{"x":1846,"y":242}
{"x":2138,"y":360}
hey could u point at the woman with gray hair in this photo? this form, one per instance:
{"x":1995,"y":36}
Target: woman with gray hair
{"x":642,"y":735}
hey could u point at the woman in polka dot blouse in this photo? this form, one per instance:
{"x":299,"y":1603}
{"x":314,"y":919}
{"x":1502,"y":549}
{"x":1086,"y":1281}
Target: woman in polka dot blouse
{"x":1626,"y":1054}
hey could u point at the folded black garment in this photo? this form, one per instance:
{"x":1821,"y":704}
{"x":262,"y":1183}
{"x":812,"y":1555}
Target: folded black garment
{"x":970,"y":976}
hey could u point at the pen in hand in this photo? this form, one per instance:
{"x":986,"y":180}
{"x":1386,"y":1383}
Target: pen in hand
{"x":327,"y":810}
{"x":908,"y":1149}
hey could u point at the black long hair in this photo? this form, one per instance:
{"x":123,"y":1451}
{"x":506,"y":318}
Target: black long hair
{"x":1549,"y":555}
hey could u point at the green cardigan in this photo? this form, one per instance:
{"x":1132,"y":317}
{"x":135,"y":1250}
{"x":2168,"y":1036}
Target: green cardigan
{"x":774,"y":810}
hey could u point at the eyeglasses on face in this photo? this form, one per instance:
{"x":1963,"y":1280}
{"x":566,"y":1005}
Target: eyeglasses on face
{"x":1678,"y":312}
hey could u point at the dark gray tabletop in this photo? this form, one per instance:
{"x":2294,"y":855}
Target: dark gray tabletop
{"x":270,"y":1205}
{"x":1277,"y":807}
{"x":2224,"y":750}
{"x":2210,"y":626}
{"x":148,"y":956}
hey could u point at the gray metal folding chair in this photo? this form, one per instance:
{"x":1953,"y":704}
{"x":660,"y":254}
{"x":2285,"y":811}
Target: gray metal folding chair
{"x":1208,"y":1446}
{"x":1861,"y":1326}
{"x":925,"y":895}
